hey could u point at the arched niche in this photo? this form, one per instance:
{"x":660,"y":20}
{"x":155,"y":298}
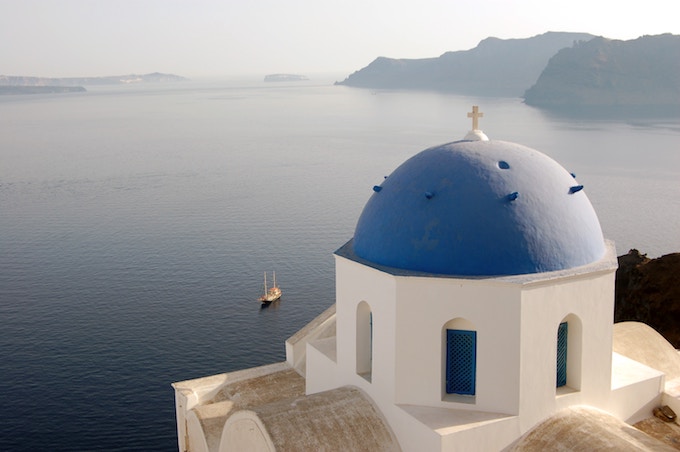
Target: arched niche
{"x":364,"y":341}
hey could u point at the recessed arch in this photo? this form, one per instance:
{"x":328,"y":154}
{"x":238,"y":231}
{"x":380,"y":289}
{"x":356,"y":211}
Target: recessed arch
{"x":364,"y":341}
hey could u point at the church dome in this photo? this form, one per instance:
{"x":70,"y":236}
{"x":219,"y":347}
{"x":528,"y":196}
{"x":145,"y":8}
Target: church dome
{"x":479,"y":208}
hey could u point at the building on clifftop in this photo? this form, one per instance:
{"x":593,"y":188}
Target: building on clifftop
{"x":474,"y":311}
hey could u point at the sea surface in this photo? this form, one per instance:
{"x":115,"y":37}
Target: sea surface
{"x":136,"y":223}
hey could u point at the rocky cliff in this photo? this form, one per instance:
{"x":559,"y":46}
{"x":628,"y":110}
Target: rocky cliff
{"x":648,"y":290}
{"x":496,"y":67}
{"x":639,"y":73}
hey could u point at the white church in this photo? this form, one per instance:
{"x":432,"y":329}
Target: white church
{"x":474,"y":312}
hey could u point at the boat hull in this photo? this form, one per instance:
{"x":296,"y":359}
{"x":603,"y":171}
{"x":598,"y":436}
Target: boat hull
{"x":272,"y":295}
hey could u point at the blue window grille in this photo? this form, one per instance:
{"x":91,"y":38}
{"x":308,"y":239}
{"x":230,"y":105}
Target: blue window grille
{"x":461,"y":361}
{"x":562,"y":332}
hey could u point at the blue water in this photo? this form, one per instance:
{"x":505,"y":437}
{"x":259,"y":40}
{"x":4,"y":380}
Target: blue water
{"x":136,"y":223}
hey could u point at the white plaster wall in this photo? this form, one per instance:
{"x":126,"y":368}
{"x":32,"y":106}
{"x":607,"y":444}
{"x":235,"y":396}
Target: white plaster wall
{"x":321,"y":327}
{"x":516,"y":319}
{"x":413,"y":436}
{"x":424,"y":306}
{"x":322,"y":371}
{"x":188,"y":395}
{"x":409,"y":314}
{"x":636,"y":389}
{"x":492,"y":436}
{"x":195,"y":437}
{"x":356,"y":283}
{"x":182,"y":400}
{"x":590,"y":297}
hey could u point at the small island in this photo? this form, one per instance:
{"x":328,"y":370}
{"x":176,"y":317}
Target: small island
{"x":285,"y":78}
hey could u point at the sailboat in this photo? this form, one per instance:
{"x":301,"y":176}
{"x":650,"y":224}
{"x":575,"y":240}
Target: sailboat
{"x":270,"y":294}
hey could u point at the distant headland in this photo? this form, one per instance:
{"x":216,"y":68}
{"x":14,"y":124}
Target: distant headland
{"x":602,"y":73}
{"x":556,"y":71}
{"x":496,"y":67}
{"x":34,"y":89}
{"x":14,"y":84}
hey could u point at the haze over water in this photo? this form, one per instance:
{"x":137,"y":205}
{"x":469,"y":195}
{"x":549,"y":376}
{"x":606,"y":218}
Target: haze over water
{"x":136,"y":223}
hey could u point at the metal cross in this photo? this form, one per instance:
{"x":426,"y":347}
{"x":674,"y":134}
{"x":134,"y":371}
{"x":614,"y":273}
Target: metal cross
{"x":475,"y":115}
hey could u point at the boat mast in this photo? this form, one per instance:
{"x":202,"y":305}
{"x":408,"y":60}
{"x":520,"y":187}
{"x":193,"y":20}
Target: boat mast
{"x":274,"y":273}
{"x":265,"y":283}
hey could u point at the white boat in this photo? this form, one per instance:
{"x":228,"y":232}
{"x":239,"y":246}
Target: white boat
{"x":270,"y":294}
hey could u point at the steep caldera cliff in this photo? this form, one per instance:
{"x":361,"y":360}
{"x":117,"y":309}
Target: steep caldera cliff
{"x":496,"y":67}
{"x":648,"y":290}
{"x":604,"y":73}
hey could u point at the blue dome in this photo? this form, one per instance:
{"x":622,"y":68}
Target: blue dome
{"x":479,"y":208}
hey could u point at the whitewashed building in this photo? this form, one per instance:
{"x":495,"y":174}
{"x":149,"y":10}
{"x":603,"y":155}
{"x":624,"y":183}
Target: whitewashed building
{"x":474,"y":310}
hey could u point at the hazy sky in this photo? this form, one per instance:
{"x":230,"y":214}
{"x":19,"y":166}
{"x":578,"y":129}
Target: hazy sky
{"x":239,"y":37}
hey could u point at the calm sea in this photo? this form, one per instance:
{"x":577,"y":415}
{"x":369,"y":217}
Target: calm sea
{"x":136,"y":223}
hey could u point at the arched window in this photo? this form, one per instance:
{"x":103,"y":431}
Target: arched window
{"x":460,"y":372}
{"x":364,"y":341}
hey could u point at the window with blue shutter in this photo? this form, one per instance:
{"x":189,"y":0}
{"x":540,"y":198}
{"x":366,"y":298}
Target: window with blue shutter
{"x":562,"y":332}
{"x":461,"y":361}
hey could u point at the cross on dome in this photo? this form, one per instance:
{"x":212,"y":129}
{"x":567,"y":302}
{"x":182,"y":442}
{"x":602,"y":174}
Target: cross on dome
{"x":475,"y":114}
{"x":475,"y":134}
